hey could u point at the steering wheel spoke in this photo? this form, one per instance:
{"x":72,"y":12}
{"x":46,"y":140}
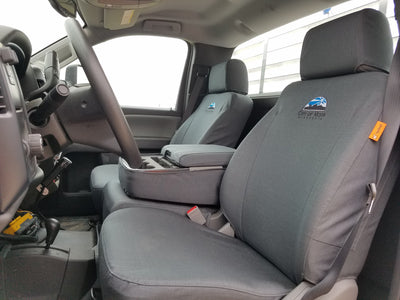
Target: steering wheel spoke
{"x":104,"y":93}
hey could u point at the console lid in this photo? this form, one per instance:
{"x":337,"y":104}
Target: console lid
{"x":196,"y":155}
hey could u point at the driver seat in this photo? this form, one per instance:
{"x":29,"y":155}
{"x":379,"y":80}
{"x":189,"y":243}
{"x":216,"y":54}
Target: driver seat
{"x":293,"y":190}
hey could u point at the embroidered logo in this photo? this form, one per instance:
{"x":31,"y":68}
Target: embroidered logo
{"x":314,"y":109}
{"x":212,"y":105}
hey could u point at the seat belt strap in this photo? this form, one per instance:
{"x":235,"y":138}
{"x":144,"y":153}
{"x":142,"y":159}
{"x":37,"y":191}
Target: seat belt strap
{"x":391,"y":105}
{"x":391,"y":111}
{"x":201,"y":76}
{"x":326,"y":284}
{"x":386,"y":183}
{"x":388,"y":169}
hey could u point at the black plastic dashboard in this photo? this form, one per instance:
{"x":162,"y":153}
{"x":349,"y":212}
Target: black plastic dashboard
{"x":18,"y":166}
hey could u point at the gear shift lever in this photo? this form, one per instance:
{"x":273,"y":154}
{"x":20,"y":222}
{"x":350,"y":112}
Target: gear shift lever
{"x":52,"y":228}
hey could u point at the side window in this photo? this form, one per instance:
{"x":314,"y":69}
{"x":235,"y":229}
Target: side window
{"x":144,"y":71}
{"x":273,"y":58}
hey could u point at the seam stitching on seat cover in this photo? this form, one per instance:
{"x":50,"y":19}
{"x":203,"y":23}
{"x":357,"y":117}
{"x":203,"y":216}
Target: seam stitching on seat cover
{"x":325,"y":243}
{"x":193,"y":286}
{"x":276,"y":112}
{"x":296,"y":262}
{"x":328,"y":203}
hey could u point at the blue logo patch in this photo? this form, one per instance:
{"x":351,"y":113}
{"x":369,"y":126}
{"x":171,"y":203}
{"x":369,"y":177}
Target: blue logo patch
{"x":315,"y":104}
{"x":212,"y":105}
{"x":314,"y":109}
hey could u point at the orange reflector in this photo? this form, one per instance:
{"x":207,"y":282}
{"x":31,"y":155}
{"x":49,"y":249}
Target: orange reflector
{"x":377,"y":131}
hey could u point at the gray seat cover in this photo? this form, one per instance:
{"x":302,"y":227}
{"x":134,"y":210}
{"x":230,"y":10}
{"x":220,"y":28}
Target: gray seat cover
{"x":219,"y":119}
{"x":223,"y":112}
{"x":188,"y":251}
{"x":292,"y":191}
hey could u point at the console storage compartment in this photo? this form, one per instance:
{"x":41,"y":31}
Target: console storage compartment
{"x":181,"y":174}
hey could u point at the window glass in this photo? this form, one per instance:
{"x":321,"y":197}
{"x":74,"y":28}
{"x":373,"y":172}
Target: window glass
{"x":273,"y":58}
{"x":144,"y":71}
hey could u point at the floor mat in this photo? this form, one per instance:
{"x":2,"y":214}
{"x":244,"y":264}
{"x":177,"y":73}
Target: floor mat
{"x":85,"y":223}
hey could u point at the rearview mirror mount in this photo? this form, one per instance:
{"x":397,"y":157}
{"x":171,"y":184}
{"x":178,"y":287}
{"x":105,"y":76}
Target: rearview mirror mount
{"x":66,"y":8}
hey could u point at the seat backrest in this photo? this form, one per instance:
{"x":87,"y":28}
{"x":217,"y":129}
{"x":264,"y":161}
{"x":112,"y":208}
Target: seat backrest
{"x":298,"y":182}
{"x":223,"y":112}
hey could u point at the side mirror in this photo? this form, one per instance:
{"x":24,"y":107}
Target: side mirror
{"x":74,"y":75}
{"x":71,"y":74}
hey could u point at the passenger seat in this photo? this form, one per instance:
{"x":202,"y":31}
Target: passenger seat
{"x":293,"y":191}
{"x":219,"y":119}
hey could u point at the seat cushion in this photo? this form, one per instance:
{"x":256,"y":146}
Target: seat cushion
{"x":99,"y":177}
{"x":156,"y":254}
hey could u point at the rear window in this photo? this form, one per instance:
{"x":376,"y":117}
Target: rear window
{"x":273,"y":58}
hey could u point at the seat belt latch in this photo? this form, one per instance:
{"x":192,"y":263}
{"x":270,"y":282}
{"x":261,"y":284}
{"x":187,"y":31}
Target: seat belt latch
{"x":195,"y":215}
{"x":371,"y":197}
{"x":227,"y":230}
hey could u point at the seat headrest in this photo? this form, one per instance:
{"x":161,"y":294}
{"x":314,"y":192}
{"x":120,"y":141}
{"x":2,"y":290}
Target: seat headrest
{"x":354,"y":43}
{"x":230,"y":76}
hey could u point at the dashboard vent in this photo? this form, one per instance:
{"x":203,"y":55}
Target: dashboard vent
{"x":3,"y":107}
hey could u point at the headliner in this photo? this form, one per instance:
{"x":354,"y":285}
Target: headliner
{"x":223,"y":23}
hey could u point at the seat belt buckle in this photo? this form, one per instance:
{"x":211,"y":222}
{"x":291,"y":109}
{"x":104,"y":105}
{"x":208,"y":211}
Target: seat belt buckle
{"x":227,"y":230}
{"x":371,"y":197}
{"x":195,"y":215}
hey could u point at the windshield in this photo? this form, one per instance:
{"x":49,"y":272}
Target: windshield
{"x":36,"y":18}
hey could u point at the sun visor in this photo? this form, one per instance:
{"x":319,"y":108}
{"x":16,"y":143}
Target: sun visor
{"x":116,"y":14}
{"x":120,"y":18}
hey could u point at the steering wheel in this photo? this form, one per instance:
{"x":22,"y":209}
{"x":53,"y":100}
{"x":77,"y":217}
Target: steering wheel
{"x":104,"y":93}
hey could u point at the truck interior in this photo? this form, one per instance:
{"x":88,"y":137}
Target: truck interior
{"x":213,"y":149}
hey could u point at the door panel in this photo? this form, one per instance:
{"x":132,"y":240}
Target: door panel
{"x":152,"y":132}
{"x":85,"y":123}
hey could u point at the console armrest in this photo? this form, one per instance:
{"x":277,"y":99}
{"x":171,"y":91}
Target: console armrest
{"x":197,"y":155}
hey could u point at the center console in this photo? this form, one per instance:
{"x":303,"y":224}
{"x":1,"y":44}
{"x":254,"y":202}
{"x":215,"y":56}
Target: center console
{"x":181,"y":174}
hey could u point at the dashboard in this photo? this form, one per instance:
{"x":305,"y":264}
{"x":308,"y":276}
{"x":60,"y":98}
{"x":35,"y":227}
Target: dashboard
{"x":18,"y":146}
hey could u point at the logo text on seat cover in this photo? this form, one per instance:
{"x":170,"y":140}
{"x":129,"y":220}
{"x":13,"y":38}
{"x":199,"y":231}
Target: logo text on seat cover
{"x":314,"y":109}
{"x":212,"y":105}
